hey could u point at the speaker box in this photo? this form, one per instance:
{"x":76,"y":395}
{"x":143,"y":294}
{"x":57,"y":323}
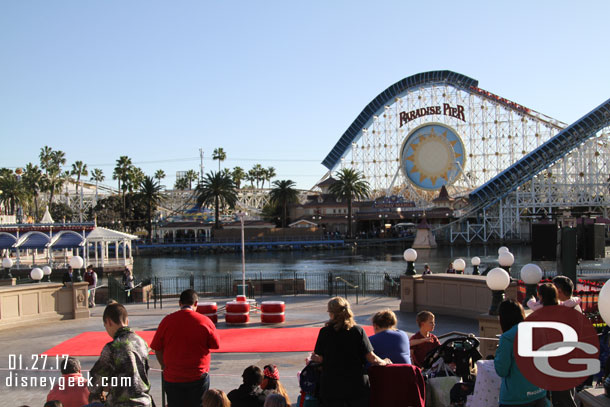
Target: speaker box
{"x":544,"y":241}
{"x":591,"y":241}
{"x":566,"y":253}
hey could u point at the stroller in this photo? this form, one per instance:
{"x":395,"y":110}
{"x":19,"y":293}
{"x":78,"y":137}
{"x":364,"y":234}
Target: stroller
{"x":450,"y":368}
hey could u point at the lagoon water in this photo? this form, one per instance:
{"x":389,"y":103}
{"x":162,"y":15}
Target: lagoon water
{"x":363,"y":260}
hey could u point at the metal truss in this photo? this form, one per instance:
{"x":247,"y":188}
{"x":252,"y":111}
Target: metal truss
{"x":495,"y":135}
{"x":580,"y":181}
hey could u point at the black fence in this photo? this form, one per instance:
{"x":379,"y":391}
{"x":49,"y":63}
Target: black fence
{"x":290,"y":283}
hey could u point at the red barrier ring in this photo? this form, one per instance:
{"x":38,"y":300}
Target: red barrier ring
{"x":276,"y":318}
{"x":207,"y":308}
{"x":238,"y":307}
{"x":272,"y":307}
{"x":237,"y":318}
{"x":213,"y":317}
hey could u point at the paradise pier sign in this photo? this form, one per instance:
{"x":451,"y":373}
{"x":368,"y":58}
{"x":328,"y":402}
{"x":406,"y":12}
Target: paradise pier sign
{"x":447,"y":110}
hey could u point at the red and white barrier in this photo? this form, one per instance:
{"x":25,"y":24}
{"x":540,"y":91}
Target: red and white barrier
{"x":209,"y":309}
{"x":237,"y":312}
{"x":272,"y":312}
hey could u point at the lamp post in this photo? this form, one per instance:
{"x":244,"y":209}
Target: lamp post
{"x":459,"y":265}
{"x":503,"y":249}
{"x":47,"y":272}
{"x":497,"y":280}
{"x":506,"y":259}
{"x":410,"y":255}
{"x":531,"y":274}
{"x":475,"y":265}
{"x":241,"y":216}
{"x":36,"y":274}
{"x":7,"y":263}
{"x":76,"y":262}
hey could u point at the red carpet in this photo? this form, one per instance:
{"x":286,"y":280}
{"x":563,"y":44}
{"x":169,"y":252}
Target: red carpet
{"x":231,"y":340}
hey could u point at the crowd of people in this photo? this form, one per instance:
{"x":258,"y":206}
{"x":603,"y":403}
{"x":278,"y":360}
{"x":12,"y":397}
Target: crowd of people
{"x":184,"y":338}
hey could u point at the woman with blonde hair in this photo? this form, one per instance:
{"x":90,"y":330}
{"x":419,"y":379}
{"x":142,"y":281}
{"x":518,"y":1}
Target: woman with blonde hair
{"x":343,"y":348}
{"x":215,"y":398}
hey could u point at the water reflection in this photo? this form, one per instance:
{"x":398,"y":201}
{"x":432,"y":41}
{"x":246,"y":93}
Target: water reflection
{"x":367,"y":260}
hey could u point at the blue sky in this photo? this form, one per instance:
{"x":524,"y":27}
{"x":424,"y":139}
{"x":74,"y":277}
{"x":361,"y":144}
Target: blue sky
{"x":272,"y":82}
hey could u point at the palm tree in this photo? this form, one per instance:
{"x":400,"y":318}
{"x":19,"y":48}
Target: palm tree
{"x":216,"y":189}
{"x":150,"y":193}
{"x":159,"y":175}
{"x":45,"y":158}
{"x":191,"y":176}
{"x":121,"y":170}
{"x":97,"y":175}
{"x":269,"y":173}
{"x":220,"y":155}
{"x":181,"y":184}
{"x":12,"y":192}
{"x":350,"y":185}
{"x":33,"y":182}
{"x":238,"y":175}
{"x":282,"y":195}
{"x":258,"y":173}
{"x":51,"y":162}
{"x":79,"y":169}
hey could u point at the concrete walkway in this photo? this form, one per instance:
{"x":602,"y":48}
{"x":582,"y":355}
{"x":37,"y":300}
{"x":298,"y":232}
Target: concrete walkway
{"x":226,"y":368}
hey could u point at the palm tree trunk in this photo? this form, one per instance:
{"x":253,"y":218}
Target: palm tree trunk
{"x":349,"y":217}
{"x":36,"y":207}
{"x":285,"y":215}
{"x":216,"y":213}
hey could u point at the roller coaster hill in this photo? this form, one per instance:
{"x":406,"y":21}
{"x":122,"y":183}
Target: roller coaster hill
{"x":478,"y":166}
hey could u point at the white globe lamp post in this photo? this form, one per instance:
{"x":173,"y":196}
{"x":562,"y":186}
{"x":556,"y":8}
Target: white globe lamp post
{"x":47,"y":272}
{"x":497,"y":280}
{"x":531,"y":275}
{"x":603,"y":303}
{"x":76,"y":262}
{"x":459,"y":265}
{"x":7,"y":263}
{"x":503,"y":249}
{"x":476,"y":262}
{"x":36,"y":274}
{"x":506,"y":259}
{"x":410,"y":255}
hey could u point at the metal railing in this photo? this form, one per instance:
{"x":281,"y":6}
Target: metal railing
{"x":284,"y":283}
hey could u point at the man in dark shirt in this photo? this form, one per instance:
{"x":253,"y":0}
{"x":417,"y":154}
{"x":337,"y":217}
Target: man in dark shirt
{"x":68,"y":276}
{"x":250,"y":393}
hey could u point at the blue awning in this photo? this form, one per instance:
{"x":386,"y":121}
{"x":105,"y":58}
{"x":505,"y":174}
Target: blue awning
{"x":34,"y":240}
{"x":7,"y":240}
{"x":67,"y":240}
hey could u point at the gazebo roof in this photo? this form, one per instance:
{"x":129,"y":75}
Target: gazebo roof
{"x":100,"y":234}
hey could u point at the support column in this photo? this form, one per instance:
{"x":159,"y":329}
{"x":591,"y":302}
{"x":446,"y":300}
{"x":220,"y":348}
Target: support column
{"x":407,"y":293}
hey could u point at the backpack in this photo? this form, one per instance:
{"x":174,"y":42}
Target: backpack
{"x":309,"y":382}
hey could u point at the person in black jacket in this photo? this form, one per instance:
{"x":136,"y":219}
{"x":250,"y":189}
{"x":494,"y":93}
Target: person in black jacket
{"x":250,"y":393}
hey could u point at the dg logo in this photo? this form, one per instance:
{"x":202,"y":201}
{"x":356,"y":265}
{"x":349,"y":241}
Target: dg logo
{"x":557,"y":348}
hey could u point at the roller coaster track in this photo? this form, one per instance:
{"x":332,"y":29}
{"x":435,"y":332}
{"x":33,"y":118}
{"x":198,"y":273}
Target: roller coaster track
{"x":537,"y":161}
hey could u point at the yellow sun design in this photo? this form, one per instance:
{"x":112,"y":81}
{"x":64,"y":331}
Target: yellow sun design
{"x":433,"y":156}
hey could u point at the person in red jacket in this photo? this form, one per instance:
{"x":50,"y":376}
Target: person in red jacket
{"x":424,"y":340}
{"x":182,"y":346}
{"x":71,"y":389}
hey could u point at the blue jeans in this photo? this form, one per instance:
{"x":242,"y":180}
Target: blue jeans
{"x":186,"y":394}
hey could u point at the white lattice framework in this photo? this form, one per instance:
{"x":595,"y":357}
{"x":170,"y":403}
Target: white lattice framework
{"x":580,"y":180}
{"x":494,"y":135}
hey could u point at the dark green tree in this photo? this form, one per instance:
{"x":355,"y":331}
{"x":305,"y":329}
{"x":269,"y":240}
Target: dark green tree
{"x":350,"y":185}
{"x":151,"y":196}
{"x":217,"y":189}
{"x":282,"y":195}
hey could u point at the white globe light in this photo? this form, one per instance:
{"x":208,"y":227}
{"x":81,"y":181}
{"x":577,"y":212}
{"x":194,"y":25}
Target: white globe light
{"x":459,"y":264}
{"x":497,"y":279}
{"x":603,"y":303}
{"x":36,"y":274}
{"x":410,"y":255}
{"x":475,"y":261}
{"x":506,"y":259}
{"x":47,"y":270}
{"x":531,"y":273}
{"x":503,"y":249}
{"x":7,"y":263}
{"x":76,"y":262}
